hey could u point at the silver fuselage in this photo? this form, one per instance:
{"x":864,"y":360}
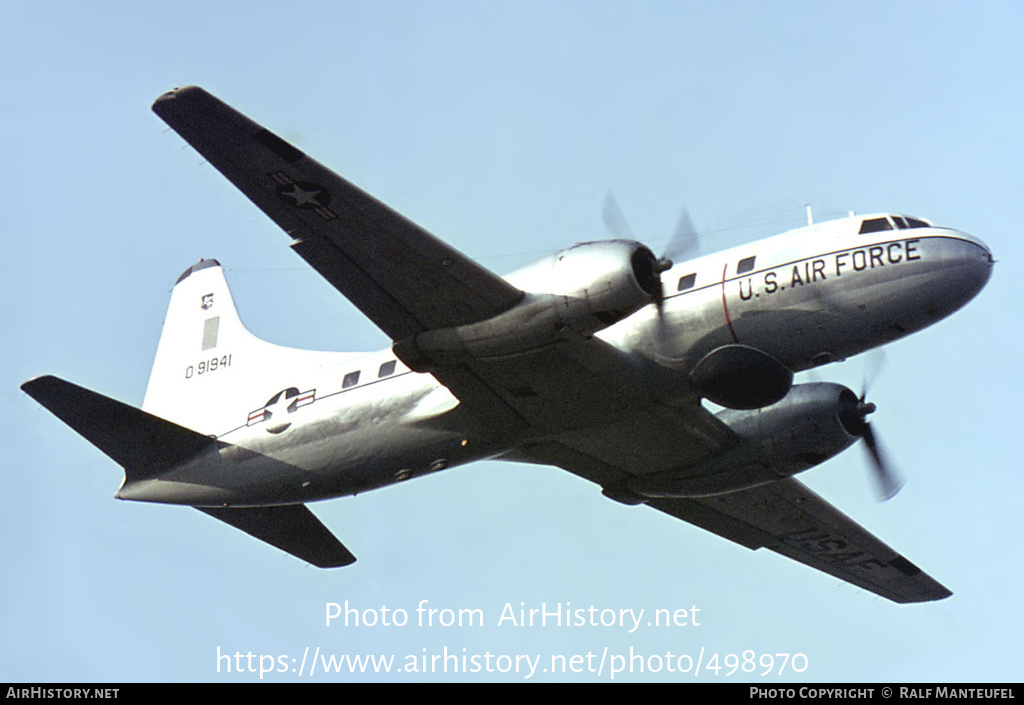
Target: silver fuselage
{"x":807,"y":297}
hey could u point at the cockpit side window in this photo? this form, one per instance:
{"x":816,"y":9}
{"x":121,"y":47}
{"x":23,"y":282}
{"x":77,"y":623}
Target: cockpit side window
{"x":915,"y":223}
{"x":875,"y":225}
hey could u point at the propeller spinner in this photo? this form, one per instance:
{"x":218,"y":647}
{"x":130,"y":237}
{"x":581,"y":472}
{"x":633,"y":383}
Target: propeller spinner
{"x":684,"y":244}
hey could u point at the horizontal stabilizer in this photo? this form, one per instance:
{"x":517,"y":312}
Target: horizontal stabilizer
{"x":292,"y":528}
{"x":143,"y":444}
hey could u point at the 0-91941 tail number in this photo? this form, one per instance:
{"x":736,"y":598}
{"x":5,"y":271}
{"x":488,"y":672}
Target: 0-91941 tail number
{"x":206,"y":366}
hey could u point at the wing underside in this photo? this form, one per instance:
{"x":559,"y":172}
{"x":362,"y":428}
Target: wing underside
{"x":785,"y":517}
{"x":790,"y":519}
{"x":607,"y":417}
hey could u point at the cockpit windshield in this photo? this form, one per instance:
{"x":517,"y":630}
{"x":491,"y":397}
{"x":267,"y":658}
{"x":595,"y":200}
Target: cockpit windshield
{"x":894,"y":222}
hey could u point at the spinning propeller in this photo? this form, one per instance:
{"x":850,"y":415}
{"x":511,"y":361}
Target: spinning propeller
{"x":889,"y":482}
{"x":854,"y":417}
{"x":684,"y":244}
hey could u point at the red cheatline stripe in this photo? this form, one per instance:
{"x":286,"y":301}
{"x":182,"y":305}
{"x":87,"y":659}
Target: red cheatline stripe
{"x":725,"y":306}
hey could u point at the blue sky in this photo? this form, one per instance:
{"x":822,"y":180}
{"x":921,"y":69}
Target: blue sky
{"x":500,"y":127}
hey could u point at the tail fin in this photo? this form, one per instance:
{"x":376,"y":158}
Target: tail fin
{"x":209,"y":369}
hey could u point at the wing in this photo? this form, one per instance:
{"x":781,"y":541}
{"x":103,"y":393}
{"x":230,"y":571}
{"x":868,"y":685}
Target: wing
{"x":609,"y":417}
{"x":785,"y":517}
{"x":788,"y":518}
{"x":403,"y":278}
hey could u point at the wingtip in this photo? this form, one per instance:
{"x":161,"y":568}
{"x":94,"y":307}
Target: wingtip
{"x":36,"y":385}
{"x":341,"y":562}
{"x":177,"y":91}
{"x":176,"y":95}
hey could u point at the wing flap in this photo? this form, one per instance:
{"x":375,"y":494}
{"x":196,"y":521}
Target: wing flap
{"x":402,"y":277}
{"x":293,"y":528}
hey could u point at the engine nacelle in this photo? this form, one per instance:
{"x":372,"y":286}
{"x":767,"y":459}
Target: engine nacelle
{"x":811,"y":424}
{"x":569,"y":296}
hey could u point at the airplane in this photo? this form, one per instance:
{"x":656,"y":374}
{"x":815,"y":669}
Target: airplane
{"x":667,"y":384}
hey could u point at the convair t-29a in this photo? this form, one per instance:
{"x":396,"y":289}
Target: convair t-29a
{"x":597,"y":360}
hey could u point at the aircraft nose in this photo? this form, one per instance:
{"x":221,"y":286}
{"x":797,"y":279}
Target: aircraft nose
{"x":977,"y":258}
{"x":968,"y":263}
{"x":982,"y":249}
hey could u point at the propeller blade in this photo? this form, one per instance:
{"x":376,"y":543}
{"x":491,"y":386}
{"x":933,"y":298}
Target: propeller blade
{"x":873,"y":364}
{"x":614,"y":220}
{"x":889,"y":481}
{"x":854,"y":416}
{"x":685,"y":242}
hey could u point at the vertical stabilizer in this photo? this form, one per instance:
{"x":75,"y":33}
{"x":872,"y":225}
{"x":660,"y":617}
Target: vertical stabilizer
{"x":209,"y":369}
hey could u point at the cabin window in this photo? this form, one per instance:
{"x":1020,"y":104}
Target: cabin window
{"x":687,"y":282}
{"x":875,"y":225}
{"x":386,"y":370}
{"x":350,"y":380}
{"x":745,"y":265}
